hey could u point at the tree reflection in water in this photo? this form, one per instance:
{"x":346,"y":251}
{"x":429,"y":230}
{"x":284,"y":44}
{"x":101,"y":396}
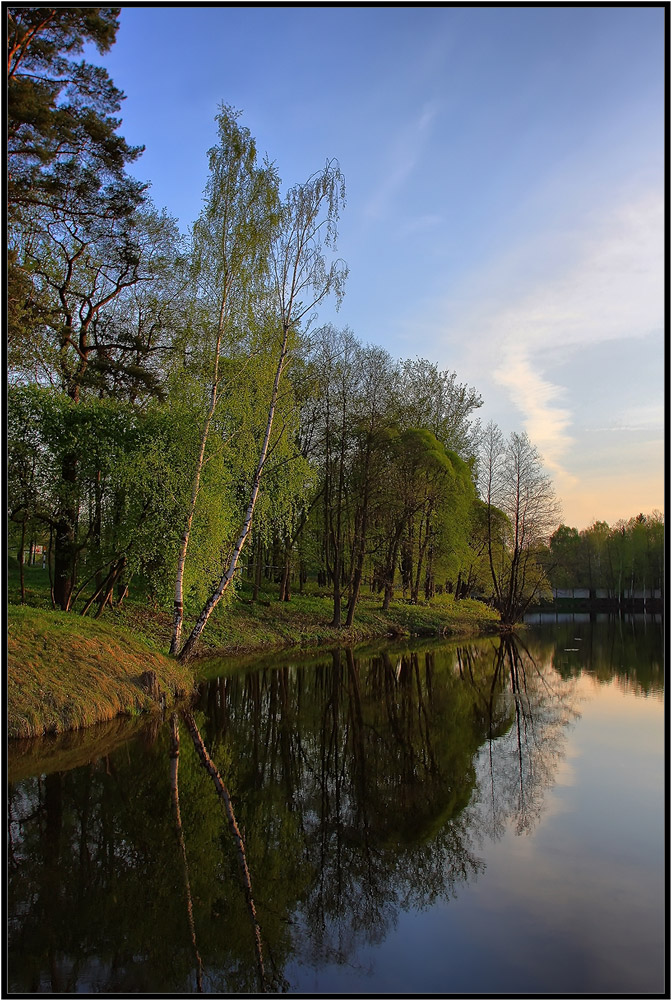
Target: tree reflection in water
{"x":526,"y":707}
{"x":363,"y":785}
{"x":179,"y":832}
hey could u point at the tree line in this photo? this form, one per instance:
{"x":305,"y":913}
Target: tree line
{"x":623,"y":558}
{"x":178,"y":420}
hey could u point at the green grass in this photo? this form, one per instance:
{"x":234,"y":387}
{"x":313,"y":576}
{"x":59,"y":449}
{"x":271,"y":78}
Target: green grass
{"x":67,"y":672}
{"x":244,"y":626}
{"x":241,"y":625}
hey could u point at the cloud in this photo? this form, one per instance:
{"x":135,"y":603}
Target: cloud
{"x":402,"y":159}
{"x":646,"y":417}
{"x":420,"y":224}
{"x":546,"y":423}
{"x":612,"y":285}
{"x":609,"y":285}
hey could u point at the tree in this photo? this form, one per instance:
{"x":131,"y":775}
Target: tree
{"x":86,"y":267}
{"x":450,"y":528}
{"x":79,"y":235}
{"x":513,"y":482}
{"x":61,"y":123}
{"x":594,"y":541}
{"x":30,"y":479}
{"x":566,"y":550}
{"x":336,"y":455}
{"x":300,"y":279}
{"x":64,"y":156}
{"x":84,"y":270}
{"x":231,"y":243}
{"x":434,"y":399}
{"x":474,"y":576}
{"x":373,"y":407}
{"x":132,"y":478}
{"x":436,"y":490}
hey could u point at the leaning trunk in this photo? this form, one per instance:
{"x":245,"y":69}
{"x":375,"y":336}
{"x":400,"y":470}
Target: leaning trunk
{"x":225,"y":797}
{"x":178,"y":613}
{"x":179,"y":831}
{"x":190,"y":644}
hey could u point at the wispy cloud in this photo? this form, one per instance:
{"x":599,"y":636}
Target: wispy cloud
{"x":546,"y":422}
{"x":608,"y":287}
{"x":611,"y":285}
{"x":421,"y":224}
{"x":400,"y":162}
{"x":644,"y":418}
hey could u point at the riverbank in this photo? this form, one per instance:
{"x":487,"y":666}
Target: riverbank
{"x":66,"y":672}
{"x":245,"y":626}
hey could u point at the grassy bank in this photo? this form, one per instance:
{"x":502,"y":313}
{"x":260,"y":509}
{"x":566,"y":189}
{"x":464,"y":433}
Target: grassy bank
{"x":245,"y":626}
{"x":67,"y":672}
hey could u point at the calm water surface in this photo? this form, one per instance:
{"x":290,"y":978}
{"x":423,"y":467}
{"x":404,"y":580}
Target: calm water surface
{"x":483,"y":817}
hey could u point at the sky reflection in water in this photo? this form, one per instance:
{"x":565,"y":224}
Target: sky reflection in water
{"x":451,"y":819}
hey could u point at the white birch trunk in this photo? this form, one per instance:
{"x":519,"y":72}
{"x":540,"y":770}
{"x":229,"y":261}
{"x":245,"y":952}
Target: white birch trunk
{"x":181,"y":560}
{"x":190,"y":644}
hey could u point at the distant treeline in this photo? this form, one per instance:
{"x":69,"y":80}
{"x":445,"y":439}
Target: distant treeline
{"x":612,"y":562}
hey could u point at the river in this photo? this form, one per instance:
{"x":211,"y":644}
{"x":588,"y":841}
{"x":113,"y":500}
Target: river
{"x":458,"y":817}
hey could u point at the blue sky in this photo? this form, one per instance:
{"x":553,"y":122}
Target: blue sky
{"x":505,"y":196}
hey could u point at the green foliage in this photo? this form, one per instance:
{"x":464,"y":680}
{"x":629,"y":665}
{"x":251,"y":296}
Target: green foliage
{"x":435,"y":400}
{"x":232,"y":236}
{"x":132,"y":475}
{"x":627,"y":556}
{"x":150,"y":491}
{"x":61,"y":113}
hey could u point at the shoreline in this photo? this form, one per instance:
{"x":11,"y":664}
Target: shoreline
{"x":67,"y":673}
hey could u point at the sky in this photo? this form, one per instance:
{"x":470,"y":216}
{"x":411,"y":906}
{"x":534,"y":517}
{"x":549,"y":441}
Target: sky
{"x":505,"y":196}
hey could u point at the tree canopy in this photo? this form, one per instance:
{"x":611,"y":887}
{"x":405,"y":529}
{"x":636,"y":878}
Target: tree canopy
{"x":180,"y":422}
{"x":61,"y":112}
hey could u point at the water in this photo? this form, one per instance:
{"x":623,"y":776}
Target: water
{"x":481,"y":817}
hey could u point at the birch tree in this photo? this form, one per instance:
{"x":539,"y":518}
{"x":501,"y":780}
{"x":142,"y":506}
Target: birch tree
{"x":231,"y":242}
{"x":302,"y":273}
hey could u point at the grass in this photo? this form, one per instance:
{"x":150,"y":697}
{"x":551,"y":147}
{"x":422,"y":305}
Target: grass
{"x":67,"y":672}
{"x":245,"y":626}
